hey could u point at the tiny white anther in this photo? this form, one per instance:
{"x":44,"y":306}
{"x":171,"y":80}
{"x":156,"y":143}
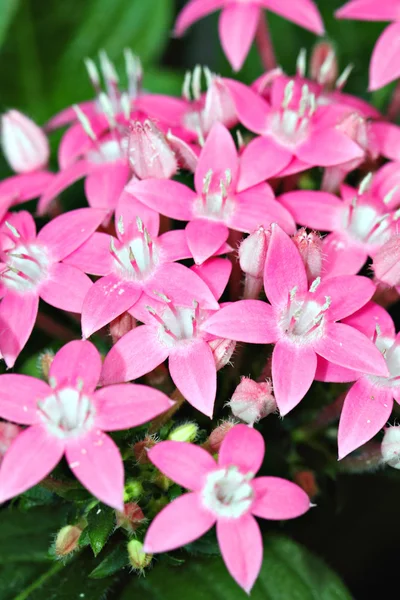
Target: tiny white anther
{"x":327,"y":304}
{"x":326,"y":67}
{"x":365,"y":184}
{"x":209,"y":77}
{"x":120,"y":225}
{"x":389,"y":196}
{"x":107,"y":67}
{"x":52,"y":382}
{"x":84,"y":121}
{"x":125,"y":103}
{"x":107,"y":108}
{"x":293,"y":292}
{"x":13,"y":229}
{"x":162,"y":296}
{"x":139,"y":224}
{"x":186,"y":86}
{"x":228,"y":177}
{"x":240,"y":140}
{"x":92,"y":72}
{"x":341,"y":81}
{"x":207,"y":181}
{"x":288,"y":94}
{"x":301,"y":63}
{"x":315,"y":284}
{"x":196,"y":82}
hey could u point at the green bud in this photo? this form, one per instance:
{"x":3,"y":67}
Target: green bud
{"x":137,"y":558}
{"x":133,"y":490}
{"x":184,"y":433}
{"x":67,"y":540}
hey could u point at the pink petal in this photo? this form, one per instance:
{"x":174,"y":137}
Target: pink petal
{"x":293,"y":371}
{"x":371,"y":316}
{"x":250,"y":321}
{"x":237,"y":29}
{"x":105,"y":185}
{"x":347,"y":347}
{"x":66,"y":288}
{"x":173,"y":246}
{"x":256,"y":206}
{"x":76,"y":142}
{"x":15,"y":331}
{"x":160,"y":107}
{"x":294,"y":167}
{"x":366,"y":409}
{"x":32,"y":456}
{"x":243,"y":447}
{"x":127,"y":405}
{"x":284,"y":269}
{"x":261,"y":159}
{"x":241,"y":547}
{"x":347,"y":294}
{"x":328,"y":148}
{"x":252,"y":110}
{"x":24,"y":223}
{"x":78,"y":363}
{"x":369,"y":10}
{"x":18,"y":397}
{"x":193,"y":11}
{"x":167,"y":197}
{"x":27,"y":186}
{"x":68,"y":115}
{"x":327,"y":371}
{"x":193,"y":371}
{"x":108,"y":298}
{"x":278,"y":499}
{"x":318,"y":210}
{"x":95,"y":460}
{"x":184,"y":463}
{"x":387,"y":136}
{"x":301,"y":12}
{"x":128,"y":209}
{"x":385,"y":63}
{"x":61,"y":182}
{"x":93,"y":256}
{"x":215,"y":273}
{"x":205,"y":237}
{"x":341,"y":256}
{"x":218,"y":154}
{"x":135,"y":354}
{"x":179,"y":523}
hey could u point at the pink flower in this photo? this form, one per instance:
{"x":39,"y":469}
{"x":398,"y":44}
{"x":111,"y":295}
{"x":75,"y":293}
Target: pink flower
{"x":69,"y":417}
{"x":228,"y":195}
{"x":31,"y":267}
{"x":301,"y":321}
{"x":239,"y":20}
{"x":386,"y":263}
{"x":385,"y":63}
{"x":173,"y":331}
{"x":226,"y":494}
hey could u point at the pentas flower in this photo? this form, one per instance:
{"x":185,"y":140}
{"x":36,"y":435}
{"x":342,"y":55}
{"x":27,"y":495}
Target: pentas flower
{"x":226,"y":494}
{"x":69,"y":417}
{"x":239,"y":19}
{"x":386,"y":263}
{"x":31,"y":267}
{"x":173,"y":331}
{"x":302,"y":322}
{"x":385,"y":64}
{"x":228,"y":195}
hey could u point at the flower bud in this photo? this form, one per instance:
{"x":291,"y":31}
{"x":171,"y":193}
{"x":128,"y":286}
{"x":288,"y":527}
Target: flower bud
{"x":150,"y":154}
{"x":323,"y":64}
{"x":184,"y":433}
{"x":24,"y":144}
{"x":138,"y":559}
{"x":253,"y":252}
{"x":217,"y":436}
{"x":133,"y":489}
{"x":45,"y":362}
{"x":386,"y":262}
{"x":222,"y":350}
{"x":309,"y":246}
{"x":140,"y":449}
{"x":161,"y":481}
{"x":390,"y":447}
{"x":121,"y":325}
{"x":67,"y":540}
{"x":306,"y":480}
{"x":8,"y":432}
{"x":252,"y":401}
{"x":131,"y":518}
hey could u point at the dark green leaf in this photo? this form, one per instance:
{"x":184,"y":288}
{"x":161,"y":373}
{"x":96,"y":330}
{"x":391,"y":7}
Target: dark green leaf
{"x":116,"y":559}
{"x":8,"y":8}
{"x":101,"y":522}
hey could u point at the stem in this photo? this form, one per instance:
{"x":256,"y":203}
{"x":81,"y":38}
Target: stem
{"x":164,"y":418}
{"x":394,"y":104}
{"x":54,"y":329}
{"x":40,"y":581}
{"x":264,"y":43}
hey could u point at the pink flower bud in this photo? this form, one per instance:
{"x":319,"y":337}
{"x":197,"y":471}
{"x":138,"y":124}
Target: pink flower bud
{"x":140,"y":450}
{"x":217,"y":436}
{"x":8,"y":432}
{"x":386,"y":262}
{"x":67,"y":540}
{"x":222,"y":351}
{"x":121,"y":325}
{"x":25,"y":146}
{"x":323,"y":64}
{"x":253,"y":252}
{"x":310,"y":247}
{"x":391,"y":447}
{"x":252,"y":401}
{"x":306,"y":480}
{"x":131,"y":518}
{"x":150,"y":154}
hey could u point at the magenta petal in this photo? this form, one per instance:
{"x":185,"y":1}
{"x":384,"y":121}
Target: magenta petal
{"x":179,"y":523}
{"x":318,"y":210}
{"x":193,"y":11}
{"x":173,"y":246}
{"x":293,"y":371}
{"x":278,"y":499}
{"x":24,"y":223}
{"x":32,"y":455}
{"x":192,"y":369}
{"x":127,"y":211}
{"x":15,"y":331}
{"x":340,"y":257}
{"x":252,"y":110}
{"x":328,"y":148}
{"x":105,"y":185}
{"x":387,"y":137}
{"x":138,"y":352}
{"x":62,"y":181}
{"x":108,"y":298}
{"x":249,"y":321}
{"x":215,"y":273}
{"x":385,"y":63}
{"x":347,"y":347}
{"x":237,"y":29}
{"x":184,"y":463}
{"x":127,"y":405}
{"x":327,"y":371}
{"x":369,"y":317}
{"x":18,"y":397}
{"x":302,"y":12}
{"x":256,"y":206}
{"x":78,"y":363}
{"x":366,"y":409}
{"x":95,"y":460}
{"x":205,"y":237}
{"x":369,"y":10}
{"x":218,"y":154}
{"x":261,"y":159}
{"x":25,"y":186}
{"x":167,"y":197}
{"x":347,"y":294}
{"x":241,"y":547}
{"x":66,"y":287}
{"x":244,"y":447}
{"x":93,"y":256}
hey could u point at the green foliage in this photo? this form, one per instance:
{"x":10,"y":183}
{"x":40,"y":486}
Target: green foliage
{"x":116,"y":559}
{"x":101,"y":522}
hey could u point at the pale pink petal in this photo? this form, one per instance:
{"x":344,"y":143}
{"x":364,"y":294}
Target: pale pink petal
{"x":241,"y":547}
{"x":327,"y":371}
{"x":347,"y":294}
{"x":387,"y":136}
{"x":256,"y":206}
{"x":341,"y":257}
{"x":261,"y":159}
{"x":66,"y":287}
{"x":215,"y":272}
{"x":105,"y":185}
{"x":108,"y":298}
{"x":369,"y":10}
{"x":127,"y":405}
{"x":24,"y":223}
{"x":25,"y":186}
{"x":371,"y":316}
{"x":243,"y":447}
{"x":184,"y":463}
{"x":168,"y":197}
{"x":278,"y":499}
{"x":78,"y":363}
{"x":237,"y":29}
{"x":76,"y":142}
{"x":295,"y":166}
{"x":160,"y":107}
{"x":328,"y":148}
{"x":93,"y":256}
{"x":95,"y":460}
{"x":218,"y":154}
{"x":385,"y":63}
{"x":348,"y":347}
{"x":31,"y":457}
{"x":366,"y":409}
{"x":302,"y":12}
{"x":193,"y":11}
{"x":173,"y":246}
{"x":68,"y":115}
{"x":318,"y":210}
{"x":61,"y":182}
{"x":18,"y":397}
{"x":293,"y":371}
{"x":179,"y":523}
{"x":138,"y":352}
{"x":284,"y":269}
{"x":204,"y":237}
{"x":250,"y":321}
{"x":252,"y":110}
{"x":193,"y":371}
{"x":127,"y":211}
{"x":14,"y":330}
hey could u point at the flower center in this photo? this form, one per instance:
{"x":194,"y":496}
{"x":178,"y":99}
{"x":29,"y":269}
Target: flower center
{"x":24,"y":266}
{"x":228,"y":493}
{"x":291,"y":126}
{"x":216,"y":202}
{"x":67,"y":412}
{"x":138,"y":258}
{"x":366,"y":225}
{"x":303,"y":319}
{"x":178,"y":323}
{"x":390,"y":350}
{"x":110,"y":150}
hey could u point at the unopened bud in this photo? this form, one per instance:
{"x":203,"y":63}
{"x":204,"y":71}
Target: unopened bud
{"x":137,"y":557}
{"x":131,"y":518}
{"x":310,"y":248}
{"x":45,"y":362}
{"x":390,"y":447}
{"x":184,"y":433}
{"x":24,"y":144}
{"x":306,"y":480}
{"x":121,"y":325}
{"x":386,"y":262}
{"x":222,"y":350}
{"x":150,"y":154}
{"x":323,"y":64}
{"x":140,"y":449}
{"x":253,"y":252}
{"x":252,"y":401}
{"x":217,"y":436}
{"x":133,"y":490}
{"x":67,"y":540}
{"x":8,"y":433}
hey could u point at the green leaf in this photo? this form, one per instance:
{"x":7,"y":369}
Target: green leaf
{"x":101,"y":522}
{"x":14,"y":578}
{"x":8,"y":8}
{"x":116,"y":559}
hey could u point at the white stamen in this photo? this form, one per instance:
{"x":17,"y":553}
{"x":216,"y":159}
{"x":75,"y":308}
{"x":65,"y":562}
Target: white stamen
{"x":301,"y":64}
{"x":341,"y":81}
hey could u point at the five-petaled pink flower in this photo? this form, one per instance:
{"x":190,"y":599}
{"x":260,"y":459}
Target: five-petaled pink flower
{"x":69,"y":417}
{"x":225,"y":493}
